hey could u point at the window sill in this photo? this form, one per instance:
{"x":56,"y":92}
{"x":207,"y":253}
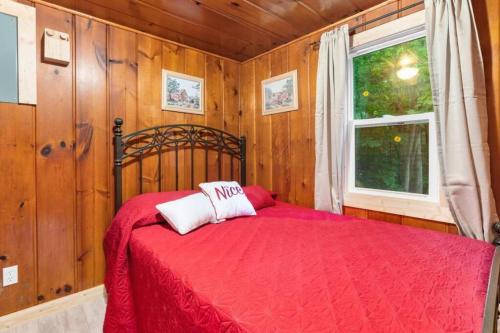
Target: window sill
{"x":435,"y":211}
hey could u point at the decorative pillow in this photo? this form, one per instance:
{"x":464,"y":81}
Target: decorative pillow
{"x":228,"y":199}
{"x":259,"y":197}
{"x":188,"y":213}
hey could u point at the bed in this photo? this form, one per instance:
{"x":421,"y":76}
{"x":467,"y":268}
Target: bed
{"x":288,"y":269}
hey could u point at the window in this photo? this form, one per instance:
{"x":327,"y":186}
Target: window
{"x":17,"y":53}
{"x":8,"y":58}
{"x":392,"y":139}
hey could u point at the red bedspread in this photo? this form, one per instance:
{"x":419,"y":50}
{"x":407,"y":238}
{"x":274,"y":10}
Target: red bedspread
{"x":290,"y":269}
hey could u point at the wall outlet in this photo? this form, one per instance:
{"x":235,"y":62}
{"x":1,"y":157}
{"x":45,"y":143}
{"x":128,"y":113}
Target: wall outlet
{"x":10,"y":275}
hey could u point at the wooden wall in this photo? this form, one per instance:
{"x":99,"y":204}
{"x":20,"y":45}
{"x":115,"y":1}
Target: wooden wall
{"x":282,"y":145}
{"x":55,"y":158}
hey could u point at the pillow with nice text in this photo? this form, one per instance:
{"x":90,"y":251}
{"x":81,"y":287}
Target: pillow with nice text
{"x":228,"y":199}
{"x":188,"y":213}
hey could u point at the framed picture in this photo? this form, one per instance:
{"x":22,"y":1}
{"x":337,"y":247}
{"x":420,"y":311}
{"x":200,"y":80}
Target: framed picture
{"x":279,"y":93}
{"x":182,"y":92}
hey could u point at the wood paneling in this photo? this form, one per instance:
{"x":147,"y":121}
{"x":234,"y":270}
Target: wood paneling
{"x":149,"y":61}
{"x":398,"y":219}
{"x":280,"y":137}
{"x":56,"y":158}
{"x":487,"y":13}
{"x":290,"y":170}
{"x":301,"y":166}
{"x":122,"y":98}
{"x":18,"y":204}
{"x":248,"y":123}
{"x":174,"y":58}
{"x":92,"y":154}
{"x":55,"y":165}
{"x":59,"y":153}
{"x":238,"y":29}
{"x":195,"y":65}
{"x":263,"y":129}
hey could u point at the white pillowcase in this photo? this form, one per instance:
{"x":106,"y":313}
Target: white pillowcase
{"x":188,"y":213}
{"x":228,"y":199}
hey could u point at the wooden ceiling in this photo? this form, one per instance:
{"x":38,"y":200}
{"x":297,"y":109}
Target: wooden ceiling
{"x":237,"y":29}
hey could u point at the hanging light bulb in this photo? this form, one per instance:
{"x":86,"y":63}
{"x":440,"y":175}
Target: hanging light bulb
{"x":407,"y":71}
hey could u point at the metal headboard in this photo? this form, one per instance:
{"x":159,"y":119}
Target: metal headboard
{"x":134,"y":147}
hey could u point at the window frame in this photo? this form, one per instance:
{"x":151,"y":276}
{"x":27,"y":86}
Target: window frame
{"x":433,"y":195}
{"x":26,"y":49}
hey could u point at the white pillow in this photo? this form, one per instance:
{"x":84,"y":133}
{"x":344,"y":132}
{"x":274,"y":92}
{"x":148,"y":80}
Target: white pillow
{"x":188,"y":213}
{"x":228,"y":199}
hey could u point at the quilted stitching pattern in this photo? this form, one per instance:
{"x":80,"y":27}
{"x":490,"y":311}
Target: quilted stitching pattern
{"x":292,"y":269}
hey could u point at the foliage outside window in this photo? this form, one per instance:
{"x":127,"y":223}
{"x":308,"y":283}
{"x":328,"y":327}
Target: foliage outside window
{"x":392,"y":125}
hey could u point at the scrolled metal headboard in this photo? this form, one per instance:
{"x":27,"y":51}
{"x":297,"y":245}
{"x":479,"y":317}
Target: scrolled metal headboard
{"x":160,"y":139}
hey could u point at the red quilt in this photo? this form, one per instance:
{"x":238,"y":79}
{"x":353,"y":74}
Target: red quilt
{"x":290,"y":269}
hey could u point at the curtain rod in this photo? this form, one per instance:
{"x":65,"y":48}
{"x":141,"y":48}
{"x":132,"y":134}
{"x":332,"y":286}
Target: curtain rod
{"x":316,"y":43}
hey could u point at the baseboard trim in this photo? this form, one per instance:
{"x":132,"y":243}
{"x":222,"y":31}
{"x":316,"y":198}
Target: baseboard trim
{"x":60,"y":304}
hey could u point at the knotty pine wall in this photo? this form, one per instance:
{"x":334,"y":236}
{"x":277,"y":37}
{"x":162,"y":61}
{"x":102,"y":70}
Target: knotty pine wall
{"x":282,"y":154}
{"x":55,"y":158}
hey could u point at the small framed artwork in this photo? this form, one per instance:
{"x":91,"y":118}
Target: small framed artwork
{"x":279,"y":93}
{"x":182,"y":92}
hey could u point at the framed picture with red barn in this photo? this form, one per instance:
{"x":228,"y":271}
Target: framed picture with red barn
{"x":182,"y":92}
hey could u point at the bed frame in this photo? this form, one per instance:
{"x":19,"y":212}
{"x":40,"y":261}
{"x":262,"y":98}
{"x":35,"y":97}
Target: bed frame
{"x":153,"y":141}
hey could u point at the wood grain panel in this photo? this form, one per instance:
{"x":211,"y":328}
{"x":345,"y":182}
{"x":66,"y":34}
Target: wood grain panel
{"x":379,"y":12}
{"x":149,"y":62}
{"x":214,"y":116}
{"x":280,"y":129}
{"x":122,"y":67}
{"x":197,"y":14}
{"x":174,"y":27}
{"x":487,"y":13}
{"x":52,"y":157}
{"x":425,"y":224}
{"x":231,"y":109}
{"x":92,"y":139}
{"x":247,"y":12}
{"x":356,"y":212}
{"x":295,"y":13}
{"x":129,"y":19}
{"x":399,"y":219}
{"x":329,"y":9}
{"x":173,"y":60}
{"x":18,"y":203}
{"x":239,"y":29}
{"x":55,"y":165}
{"x":270,"y":153}
{"x":310,"y":155}
{"x":301,"y":123}
{"x":248,"y":117}
{"x":263,"y":138}
{"x":195,"y":65}
{"x":380,"y":216}
{"x":405,"y":3}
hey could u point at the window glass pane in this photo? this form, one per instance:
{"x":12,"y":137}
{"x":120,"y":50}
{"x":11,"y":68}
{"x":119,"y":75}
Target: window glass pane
{"x":393,"y":158}
{"x":8,"y":58}
{"x":392,"y":81}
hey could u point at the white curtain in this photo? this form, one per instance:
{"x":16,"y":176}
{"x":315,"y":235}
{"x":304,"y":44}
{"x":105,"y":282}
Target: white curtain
{"x":331,"y":117}
{"x":459,"y":94}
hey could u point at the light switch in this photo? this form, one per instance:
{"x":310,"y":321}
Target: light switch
{"x":56,"y":47}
